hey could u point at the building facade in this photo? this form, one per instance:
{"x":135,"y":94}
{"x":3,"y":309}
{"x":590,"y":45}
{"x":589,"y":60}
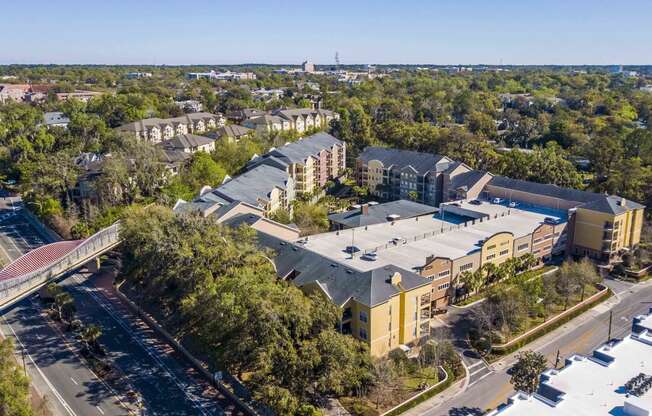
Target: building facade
{"x":156,"y":130}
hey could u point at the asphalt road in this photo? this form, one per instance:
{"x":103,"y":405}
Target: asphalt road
{"x":167,"y":384}
{"x":57,"y":373}
{"x":491,"y":388}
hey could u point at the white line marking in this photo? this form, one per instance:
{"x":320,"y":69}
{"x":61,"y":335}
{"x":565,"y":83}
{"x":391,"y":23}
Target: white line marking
{"x":99,"y":410}
{"x":73,"y":380}
{"x":54,"y":391}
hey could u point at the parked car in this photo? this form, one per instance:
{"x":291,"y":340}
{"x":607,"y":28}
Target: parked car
{"x":513,"y":204}
{"x":371,"y":256}
{"x":497,"y":200}
{"x":475,"y":202}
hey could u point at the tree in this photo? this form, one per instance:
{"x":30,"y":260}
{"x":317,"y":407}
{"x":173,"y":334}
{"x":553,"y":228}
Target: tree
{"x":527,"y":370}
{"x":567,"y":282}
{"x":14,"y":384}
{"x":64,"y":306}
{"x":90,"y":335}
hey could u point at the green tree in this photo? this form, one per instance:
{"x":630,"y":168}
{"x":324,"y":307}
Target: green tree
{"x":527,"y":371}
{"x":14,"y":384}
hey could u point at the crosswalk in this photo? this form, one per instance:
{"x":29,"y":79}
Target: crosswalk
{"x":477,"y":371}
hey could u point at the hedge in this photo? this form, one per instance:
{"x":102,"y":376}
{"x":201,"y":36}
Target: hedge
{"x":498,"y":352}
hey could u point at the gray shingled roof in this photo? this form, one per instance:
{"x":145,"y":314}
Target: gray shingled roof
{"x":232,"y":130}
{"x":253,"y":185}
{"x":55,"y":117}
{"x":421,"y":162}
{"x":589,"y":200}
{"x":378,"y":213}
{"x":300,"y":150}
{"x":467,"y":179}
{"x":340,"y":282}
{"x":185,"y":141}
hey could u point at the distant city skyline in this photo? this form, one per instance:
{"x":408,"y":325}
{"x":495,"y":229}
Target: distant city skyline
{"x":441,"y":32}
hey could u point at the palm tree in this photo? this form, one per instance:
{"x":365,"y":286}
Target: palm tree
{"x":64,"y":305}
{"x":89,"y":335}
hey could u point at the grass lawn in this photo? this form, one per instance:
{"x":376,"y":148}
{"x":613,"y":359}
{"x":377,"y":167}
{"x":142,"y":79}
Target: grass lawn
{"x":426,"y":375}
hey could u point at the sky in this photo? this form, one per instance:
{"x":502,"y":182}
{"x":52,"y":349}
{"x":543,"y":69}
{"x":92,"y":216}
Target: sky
{"x":173,"y":32}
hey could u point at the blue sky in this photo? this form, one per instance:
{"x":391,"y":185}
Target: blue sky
{"x":380,"y":31}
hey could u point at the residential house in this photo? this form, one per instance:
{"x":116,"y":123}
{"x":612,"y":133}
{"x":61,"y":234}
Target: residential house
{"x":239,"y":116}
{"x":266,"y":124}
{"x":190,"y":106}
{"x":56,"y":119}
{"x":297,"y":119}
{"x":189,"y":143}
{"x":157,"y":129}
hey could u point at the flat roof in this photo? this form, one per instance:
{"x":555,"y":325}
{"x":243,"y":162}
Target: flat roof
{"x":593,"y":385}
{"x":421,"y":237}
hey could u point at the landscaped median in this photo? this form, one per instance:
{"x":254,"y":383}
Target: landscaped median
{"x":499,"y":350}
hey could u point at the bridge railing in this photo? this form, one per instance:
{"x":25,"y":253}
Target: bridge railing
{"x":89,"y":248}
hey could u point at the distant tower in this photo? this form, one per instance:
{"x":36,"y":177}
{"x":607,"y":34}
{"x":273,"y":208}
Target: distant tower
{"x":337,"y":61}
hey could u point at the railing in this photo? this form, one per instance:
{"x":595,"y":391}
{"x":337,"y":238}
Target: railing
{"x":88,"y":249}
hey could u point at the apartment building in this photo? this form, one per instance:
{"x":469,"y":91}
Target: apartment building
{"x":298,"y":119}
{"x":310,"y":161}
{"x":263,"y":186}
{"x":189,"y":143}
{"x":222,"y":76}
{"x":402,"y":174}
{"x":13,"y":92}
{"x":386,"y":306}
{"x":463,"y":237}
{"x":156,"y":129}
{"x":271,"y":182}
{"x":602,"y":226}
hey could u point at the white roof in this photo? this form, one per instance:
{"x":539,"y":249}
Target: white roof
{"x":589,"y":386}
{"x":424,"y":236}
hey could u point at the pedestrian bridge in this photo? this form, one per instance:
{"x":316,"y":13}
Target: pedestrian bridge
{"x":33,"y":270}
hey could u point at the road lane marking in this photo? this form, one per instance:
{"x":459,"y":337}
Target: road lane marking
{"x":54,"y":390}
{"x":73,"y":380}
{"x":99,"y":410}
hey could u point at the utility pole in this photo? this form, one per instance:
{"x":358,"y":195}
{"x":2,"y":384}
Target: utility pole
{"x":557,"y":360}
{"x":611,"y":316}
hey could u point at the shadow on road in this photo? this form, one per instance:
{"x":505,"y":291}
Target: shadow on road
{"x":465,"y":411}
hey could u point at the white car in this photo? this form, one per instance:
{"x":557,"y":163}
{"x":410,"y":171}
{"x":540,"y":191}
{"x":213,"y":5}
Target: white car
{"x":497,"y":200}
{"x":513,"y":204}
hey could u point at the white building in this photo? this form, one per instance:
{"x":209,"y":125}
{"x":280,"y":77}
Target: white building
{"x":56,"y":119}
{"x":308,"y":67}
{"x":615,"y":380}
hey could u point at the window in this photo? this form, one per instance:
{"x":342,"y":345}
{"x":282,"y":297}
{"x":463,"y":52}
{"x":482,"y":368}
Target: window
{"x":491,"y":256}
{"x":504,"y":243}
{"x":347,"y":314}
{"x":547,"y":236}
{"x":491,"y":247}
{"x":522,"y":247}
{"x":414,"y":333}
{"x":538,"y":240}
{"x":504,"y":252}
{"x":444,"y":273}
{"x":363,"y":333}
{"x":443,"y":286}
{"x":363,"y":316}
{"x":466,"y":267}
{"x":389,"y":327}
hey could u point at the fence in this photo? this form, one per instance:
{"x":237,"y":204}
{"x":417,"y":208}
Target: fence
{"x":89,"y":248}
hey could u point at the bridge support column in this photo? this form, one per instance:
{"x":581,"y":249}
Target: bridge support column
{"x":93,"y":266}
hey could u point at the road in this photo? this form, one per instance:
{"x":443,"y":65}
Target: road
{"x":167,"y":383}
{"x":489,"y":387}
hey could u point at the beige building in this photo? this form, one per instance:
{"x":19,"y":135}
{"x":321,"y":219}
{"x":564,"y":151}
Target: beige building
{"x":298,"y":119}
{"x":156,"y":130}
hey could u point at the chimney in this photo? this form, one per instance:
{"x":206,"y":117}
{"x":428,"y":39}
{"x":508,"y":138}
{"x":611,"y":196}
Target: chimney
{"x":396,"y":279}
{"x":364,"y":209}
{"x":622,"y":202}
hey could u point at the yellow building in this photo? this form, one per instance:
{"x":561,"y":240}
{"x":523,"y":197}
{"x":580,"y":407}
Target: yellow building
{"x":385,"y":307}
{"x":606,"y":227}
